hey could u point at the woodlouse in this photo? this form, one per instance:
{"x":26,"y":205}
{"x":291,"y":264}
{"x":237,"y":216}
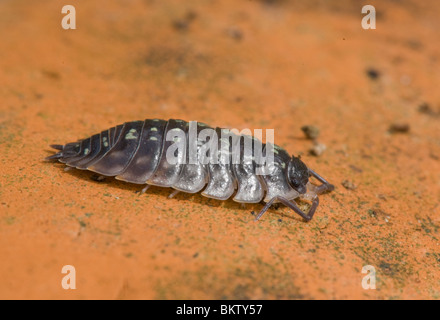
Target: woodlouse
{"x":135,"y":152}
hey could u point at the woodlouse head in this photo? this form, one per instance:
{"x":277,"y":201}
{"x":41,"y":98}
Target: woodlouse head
{"x":298,"y":174}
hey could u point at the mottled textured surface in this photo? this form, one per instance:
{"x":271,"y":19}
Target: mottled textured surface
{"x":247,"y":64}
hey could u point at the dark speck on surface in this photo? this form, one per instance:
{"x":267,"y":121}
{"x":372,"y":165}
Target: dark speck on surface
{"x":373,"y":74}
{"x":235,"y":33}
{"x":425,"y":108}
{"x":349,"y":185}
{"x":399,"y":128}
{"x":311,"y":132}
{"x":182,"y":24}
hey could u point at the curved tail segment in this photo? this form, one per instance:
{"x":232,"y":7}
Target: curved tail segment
{"x":65,"y":151}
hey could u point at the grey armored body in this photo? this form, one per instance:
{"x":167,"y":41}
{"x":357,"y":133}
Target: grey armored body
{"x":135,"y":152}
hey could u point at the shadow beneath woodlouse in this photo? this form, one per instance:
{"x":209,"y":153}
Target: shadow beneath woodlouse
{"x":92,"y":177}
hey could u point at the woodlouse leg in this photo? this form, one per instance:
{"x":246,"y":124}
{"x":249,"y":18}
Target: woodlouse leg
{"x":173,"y":194}
{"x":325,"y":186}
{"x":292,"y":205}
{"x":144,"y":189}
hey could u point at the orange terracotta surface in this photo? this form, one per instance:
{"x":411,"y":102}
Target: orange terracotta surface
{"x":237,"y":64}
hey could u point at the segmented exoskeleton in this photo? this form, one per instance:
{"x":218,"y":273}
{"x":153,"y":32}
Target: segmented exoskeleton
{"x":135,"y":152}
